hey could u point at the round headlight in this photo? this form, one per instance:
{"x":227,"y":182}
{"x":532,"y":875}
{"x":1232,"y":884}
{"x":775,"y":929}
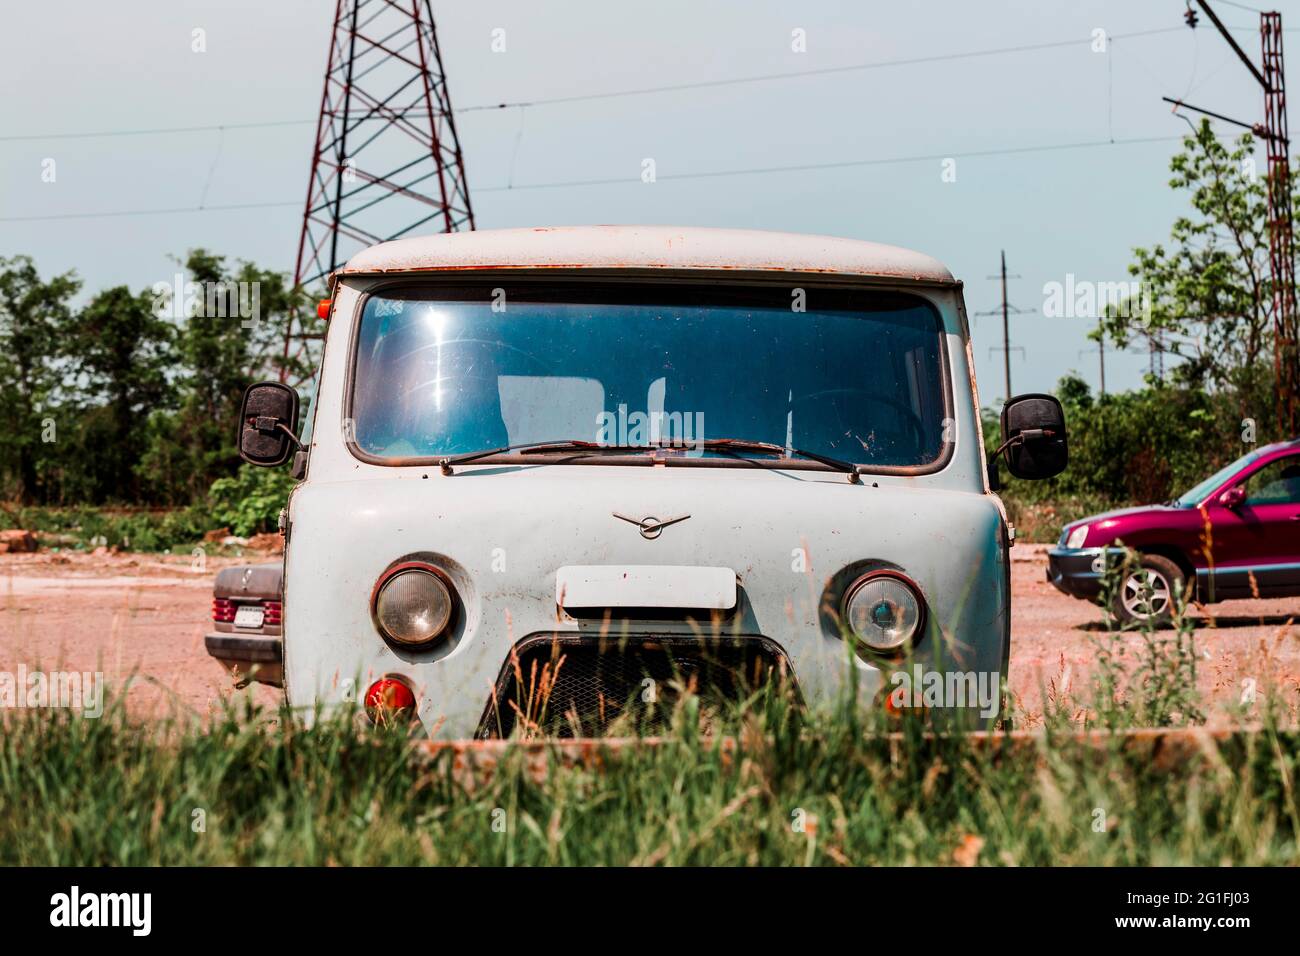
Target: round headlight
{"x":883,"y":611}
{"x":413,"y":606}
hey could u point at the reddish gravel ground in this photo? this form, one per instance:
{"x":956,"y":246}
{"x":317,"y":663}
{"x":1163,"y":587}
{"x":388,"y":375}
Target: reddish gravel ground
{"x":147,"y":614}
{"x":1054,"y":639}
{"x":140,"y":614}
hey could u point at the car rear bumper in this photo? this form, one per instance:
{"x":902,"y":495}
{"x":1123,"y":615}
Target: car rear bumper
{"x":256,"y":657}
{"x":1078,"y":572}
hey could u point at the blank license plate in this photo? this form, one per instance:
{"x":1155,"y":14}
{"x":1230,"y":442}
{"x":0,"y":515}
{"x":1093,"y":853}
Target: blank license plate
{"x":249,"y":615}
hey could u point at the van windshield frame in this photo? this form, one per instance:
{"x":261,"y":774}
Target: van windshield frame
{"x":686,"y":325}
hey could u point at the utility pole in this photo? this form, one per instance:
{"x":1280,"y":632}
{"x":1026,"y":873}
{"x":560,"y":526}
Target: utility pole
{"x":1006,"y":327}
{"x":1006,"y":311}
{"x":1101,"y":355}
{"x":1281,"y":231}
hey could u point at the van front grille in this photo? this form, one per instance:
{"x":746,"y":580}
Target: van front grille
{"x":573,"y":686}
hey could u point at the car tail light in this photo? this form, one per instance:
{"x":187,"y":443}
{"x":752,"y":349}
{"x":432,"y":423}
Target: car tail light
{"x":224,"y":609}
{"x":389,"y":698}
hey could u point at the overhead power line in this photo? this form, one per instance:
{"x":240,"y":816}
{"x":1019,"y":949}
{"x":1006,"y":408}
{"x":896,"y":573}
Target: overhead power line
{"x":841,"y":164}
{"x":155,"y":131}
{"x":1239,"y":6}
{"x":820,"y":71}
{"x":642,"y":91}
{"x":615,"y":180}
{"x":151,"y":212}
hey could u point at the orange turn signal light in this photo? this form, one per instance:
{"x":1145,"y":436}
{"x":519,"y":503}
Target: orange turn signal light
{"x":323,"y":309}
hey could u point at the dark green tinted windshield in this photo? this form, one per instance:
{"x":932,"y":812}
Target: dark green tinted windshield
{"x":1196,"y":495}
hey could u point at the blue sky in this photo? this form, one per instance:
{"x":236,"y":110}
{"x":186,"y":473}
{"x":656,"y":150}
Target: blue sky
{"x":89,"y":67}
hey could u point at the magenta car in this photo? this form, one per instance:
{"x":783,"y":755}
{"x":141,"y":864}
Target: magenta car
{"x":1235,"y":535}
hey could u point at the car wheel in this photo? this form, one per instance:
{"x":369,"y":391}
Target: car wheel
{"x":1146,"y":594}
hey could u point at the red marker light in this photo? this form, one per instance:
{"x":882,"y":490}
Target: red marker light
{"x":323,"y":309}
{"x":389,"y":698}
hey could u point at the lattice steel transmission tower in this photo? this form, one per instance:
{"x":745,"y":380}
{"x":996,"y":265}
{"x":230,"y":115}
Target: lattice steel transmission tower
{"x":1281,"y":231}
{"x":387,"y":159}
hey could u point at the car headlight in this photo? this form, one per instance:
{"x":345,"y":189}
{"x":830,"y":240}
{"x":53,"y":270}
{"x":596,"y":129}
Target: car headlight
{"x":412,"y":604}
{"x":883,"y":610}
{"x":1077,"y":537}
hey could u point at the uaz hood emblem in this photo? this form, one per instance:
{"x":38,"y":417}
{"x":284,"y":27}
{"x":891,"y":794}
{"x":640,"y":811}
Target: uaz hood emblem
{"x":650,"y":526}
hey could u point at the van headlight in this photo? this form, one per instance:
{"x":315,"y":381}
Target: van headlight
{"x":1077,"y":537}
{"x":412,"y":604}
{"x":883,"y":610}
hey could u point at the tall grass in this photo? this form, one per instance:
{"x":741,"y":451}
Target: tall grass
{"x":788,"y":789}
{"x":768,"y":784}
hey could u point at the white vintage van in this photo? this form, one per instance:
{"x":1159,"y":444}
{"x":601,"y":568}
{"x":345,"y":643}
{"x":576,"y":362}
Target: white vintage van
{"x":556,"y":475}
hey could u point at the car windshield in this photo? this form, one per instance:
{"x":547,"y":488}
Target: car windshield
{"x":853,"y":374}
{"x":1198,"y":494}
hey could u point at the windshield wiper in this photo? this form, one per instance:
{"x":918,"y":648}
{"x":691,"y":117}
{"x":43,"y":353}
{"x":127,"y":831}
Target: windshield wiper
{"x":746,"y":444}
{"x":574,"y":444}
{"x":714,"y":444}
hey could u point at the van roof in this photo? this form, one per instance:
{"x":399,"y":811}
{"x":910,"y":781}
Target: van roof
{"x":647,"y":247}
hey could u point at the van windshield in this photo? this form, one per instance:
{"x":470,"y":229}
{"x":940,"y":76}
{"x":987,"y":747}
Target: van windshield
{"x":857,"y":375}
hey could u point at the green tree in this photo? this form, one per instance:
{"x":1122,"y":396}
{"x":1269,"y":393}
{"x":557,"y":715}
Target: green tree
{"x":1209,"y":288}
{"x":33,"y":316}
{"x":229,"y":335}
{"x":121,"y":352}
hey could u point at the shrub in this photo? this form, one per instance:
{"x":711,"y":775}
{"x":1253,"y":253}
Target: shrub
{"x":124,"y":528}
{"x":1136,"y":447}
{"x":250,"y":502}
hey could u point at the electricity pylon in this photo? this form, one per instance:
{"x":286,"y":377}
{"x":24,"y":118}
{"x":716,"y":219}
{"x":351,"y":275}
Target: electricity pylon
{"x":387,"y":159}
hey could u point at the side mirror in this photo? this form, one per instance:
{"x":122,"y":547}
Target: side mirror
{"x":1233,"y":497}
{"x":1033,"y":436}
{"x":268,"y":421}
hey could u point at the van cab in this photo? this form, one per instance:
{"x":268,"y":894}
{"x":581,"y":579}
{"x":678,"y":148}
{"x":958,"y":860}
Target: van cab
{"x":556,"y":476}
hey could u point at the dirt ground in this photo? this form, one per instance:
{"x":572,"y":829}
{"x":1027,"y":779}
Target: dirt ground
{"x":146,"y":615}
{"x":139,"y":616}
{"x":1054,"y":640}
